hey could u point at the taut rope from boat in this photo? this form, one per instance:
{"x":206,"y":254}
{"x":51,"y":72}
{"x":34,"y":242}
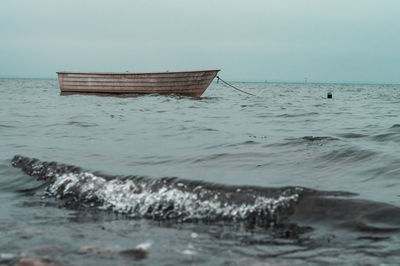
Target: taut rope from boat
{"x":219,"y":79}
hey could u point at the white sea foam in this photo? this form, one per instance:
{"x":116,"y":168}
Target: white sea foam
{"x":144,"y":245}
{"x":166,"y":201}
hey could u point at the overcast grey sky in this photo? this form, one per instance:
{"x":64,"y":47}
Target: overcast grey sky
{"x":276,"y":40}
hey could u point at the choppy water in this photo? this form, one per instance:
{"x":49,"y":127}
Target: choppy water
{"x":287,"y":177}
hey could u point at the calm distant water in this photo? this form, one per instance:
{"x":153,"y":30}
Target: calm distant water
{"x":285,"y":177}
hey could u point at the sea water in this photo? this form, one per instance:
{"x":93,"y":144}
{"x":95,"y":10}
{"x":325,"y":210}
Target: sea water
{"x":284,"y":177}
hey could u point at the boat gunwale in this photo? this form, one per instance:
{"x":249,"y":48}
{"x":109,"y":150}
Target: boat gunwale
{"x":139,"y":73}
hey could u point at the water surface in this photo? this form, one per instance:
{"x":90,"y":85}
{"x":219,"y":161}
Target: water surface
{"x":285,"y":177}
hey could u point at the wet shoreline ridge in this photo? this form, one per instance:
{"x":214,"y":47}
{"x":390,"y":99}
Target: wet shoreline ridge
{"x":296,"y":210}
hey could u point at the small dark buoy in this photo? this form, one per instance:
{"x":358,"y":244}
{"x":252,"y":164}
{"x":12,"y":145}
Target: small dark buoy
{"x":329,"y":95}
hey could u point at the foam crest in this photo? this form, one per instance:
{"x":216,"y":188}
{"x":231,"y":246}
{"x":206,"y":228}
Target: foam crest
{"x":170,"y":201}
{"x":162,"y":199}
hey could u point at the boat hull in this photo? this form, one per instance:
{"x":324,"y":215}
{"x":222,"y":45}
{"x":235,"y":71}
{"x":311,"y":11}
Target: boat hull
{"x":191,"y":83}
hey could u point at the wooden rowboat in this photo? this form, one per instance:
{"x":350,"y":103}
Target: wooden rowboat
{"x":191,"y":83}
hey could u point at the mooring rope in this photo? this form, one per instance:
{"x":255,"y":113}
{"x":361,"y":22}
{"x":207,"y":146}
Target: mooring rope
{"x":219,"y":79}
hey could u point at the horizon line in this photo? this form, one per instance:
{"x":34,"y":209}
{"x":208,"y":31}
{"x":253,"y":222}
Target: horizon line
{"x":233,"y":80}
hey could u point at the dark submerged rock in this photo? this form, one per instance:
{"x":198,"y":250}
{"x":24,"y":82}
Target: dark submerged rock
{"x":137,"y":253}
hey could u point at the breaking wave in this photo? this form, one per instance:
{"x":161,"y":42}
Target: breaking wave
{"x":174,"y":199}
{"x":162,"y":199}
